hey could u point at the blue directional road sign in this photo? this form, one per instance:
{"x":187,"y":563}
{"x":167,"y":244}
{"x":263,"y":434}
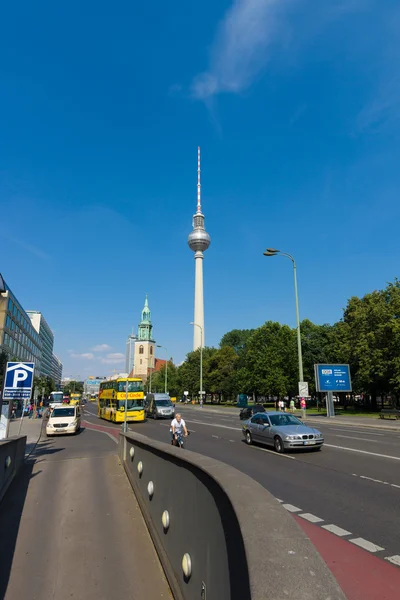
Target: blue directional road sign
{"x":332,"y":378}
{"x":18,"y":381}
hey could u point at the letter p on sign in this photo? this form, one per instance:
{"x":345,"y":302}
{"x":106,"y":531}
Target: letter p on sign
{"x":19,"y":376}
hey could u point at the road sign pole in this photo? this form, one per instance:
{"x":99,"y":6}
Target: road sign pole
{"x":330,"y":407}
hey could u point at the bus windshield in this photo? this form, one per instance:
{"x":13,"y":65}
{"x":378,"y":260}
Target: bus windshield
{"x":131,"y":404}
{"x":56,"y":396}
{"x":133,"y":386}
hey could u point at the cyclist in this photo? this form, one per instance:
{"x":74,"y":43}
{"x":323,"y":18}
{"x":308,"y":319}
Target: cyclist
{"x":178,"y":426}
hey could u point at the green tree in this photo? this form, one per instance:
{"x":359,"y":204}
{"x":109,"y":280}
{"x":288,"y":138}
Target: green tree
{"x":3,"y":364}
{"x":316,"y":343}
{"x":73,"y":387}
{"x":271,"y":361}
{"x":237,"y":339}
{"x":221,"y":372}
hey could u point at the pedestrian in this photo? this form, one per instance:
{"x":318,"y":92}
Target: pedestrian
{"x":292,"y":406}
{"x":30,"y":411}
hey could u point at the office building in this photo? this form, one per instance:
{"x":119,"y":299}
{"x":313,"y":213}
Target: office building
{"x":144,"y":345}
{"x":18,"y":337}
{"x":56,"y":370}
{"x":91,"y":387}
{"x":47,"y":337}
{"x":130,"y":352}
{"x":199,"y":241}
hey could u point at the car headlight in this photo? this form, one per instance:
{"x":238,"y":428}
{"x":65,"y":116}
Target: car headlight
{"x":73,"y":423}
{"x":319,"y":436}
{"x":293,"y":437}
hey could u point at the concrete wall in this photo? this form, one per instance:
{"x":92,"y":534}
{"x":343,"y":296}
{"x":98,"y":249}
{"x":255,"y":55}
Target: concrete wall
{"x":12,"y":453}
{"x":243,"y":545}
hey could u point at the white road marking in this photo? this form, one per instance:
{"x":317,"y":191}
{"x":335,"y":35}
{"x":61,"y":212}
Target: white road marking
{"x":336,"y":530}
{"x":291,"y":508}
{"x":215,"y":425}
{"x":376,"y":480}
{"x":395,"y":560}
{"x":311,"y":518}
{"x":232,"y":441}
{"x":279,"y":500}
{"x":215,"y":436}
{"x":351,"y":437}
{"x":366,"y":545}
{"x":362,"y":451}
{"x":348,"y":430}
{"x":272,"y":452}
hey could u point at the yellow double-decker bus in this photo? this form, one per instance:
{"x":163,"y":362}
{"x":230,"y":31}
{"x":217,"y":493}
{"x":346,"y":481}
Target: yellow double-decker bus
{"x":112,"y":399}
{"x":75,"y":398}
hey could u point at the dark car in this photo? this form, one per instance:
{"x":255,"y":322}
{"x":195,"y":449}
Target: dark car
{"x":248,"y":411}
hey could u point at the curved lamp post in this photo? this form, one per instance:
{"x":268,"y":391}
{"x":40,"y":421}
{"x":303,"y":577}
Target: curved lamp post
{"x":274,"y":252}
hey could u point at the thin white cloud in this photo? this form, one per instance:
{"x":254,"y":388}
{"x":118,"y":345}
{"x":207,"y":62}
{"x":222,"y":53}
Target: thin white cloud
{"x":101,"y":348}
{"x":29,"y":247}
{"x":84,"y":355}
{"x":240,"y":48}
{"x":113,"y":359}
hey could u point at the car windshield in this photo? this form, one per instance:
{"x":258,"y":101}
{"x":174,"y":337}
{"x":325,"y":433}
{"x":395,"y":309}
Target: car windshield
{"x":163,"y":402}
{"x":63,"y":412}
{"x":133,"y":386}
{"x":284,"y":420}
{"x":131,"y":404}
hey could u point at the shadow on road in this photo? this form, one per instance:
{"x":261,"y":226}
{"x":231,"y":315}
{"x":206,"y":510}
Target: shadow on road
{"x":10,"y":516}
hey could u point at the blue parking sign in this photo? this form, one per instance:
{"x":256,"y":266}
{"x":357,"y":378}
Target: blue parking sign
{"x":18,"y":381}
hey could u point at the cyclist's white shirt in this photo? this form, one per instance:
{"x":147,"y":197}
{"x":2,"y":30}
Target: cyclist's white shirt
{"x":178,"y":426}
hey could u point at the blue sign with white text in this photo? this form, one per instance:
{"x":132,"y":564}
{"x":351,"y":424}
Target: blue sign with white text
{"x":18,"y":381}
{"x":332,"y":378}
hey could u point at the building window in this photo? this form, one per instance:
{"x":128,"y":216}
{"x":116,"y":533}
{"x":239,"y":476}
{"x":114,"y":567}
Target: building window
{"x":151,"y":349}
{"x":141,"y":349}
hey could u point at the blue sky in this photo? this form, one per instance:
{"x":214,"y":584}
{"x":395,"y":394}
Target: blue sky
{"x":296,"y":107}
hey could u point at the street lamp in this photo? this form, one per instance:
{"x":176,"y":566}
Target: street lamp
{"x":274,"y":252}
{"x":166,"y":367}
{"x":201,"y":358}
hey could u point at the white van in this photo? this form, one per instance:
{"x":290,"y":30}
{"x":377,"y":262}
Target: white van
{"x":64,"y":419}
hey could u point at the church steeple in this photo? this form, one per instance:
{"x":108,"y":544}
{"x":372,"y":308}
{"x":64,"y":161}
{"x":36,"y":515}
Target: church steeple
{"x":145,"y":327}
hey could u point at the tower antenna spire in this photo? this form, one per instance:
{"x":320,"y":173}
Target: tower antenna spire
{"x":198,"y":181}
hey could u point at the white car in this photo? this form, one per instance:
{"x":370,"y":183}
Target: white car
{"x":66,"y":419}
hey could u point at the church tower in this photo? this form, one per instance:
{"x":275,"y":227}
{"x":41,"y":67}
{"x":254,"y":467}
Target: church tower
{"x":144,"y":345}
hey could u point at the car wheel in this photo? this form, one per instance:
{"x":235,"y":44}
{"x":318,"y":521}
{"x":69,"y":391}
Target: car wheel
{"x":249,"y":439}
{"x":278,"y":445}
{"x":155,"y":416}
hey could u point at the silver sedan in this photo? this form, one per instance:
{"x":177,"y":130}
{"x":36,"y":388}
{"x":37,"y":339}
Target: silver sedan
{"x":283,"y":431}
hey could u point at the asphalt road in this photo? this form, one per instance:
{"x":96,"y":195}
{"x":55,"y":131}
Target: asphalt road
{"x":70,"y":527}
{"x":352,"y":484}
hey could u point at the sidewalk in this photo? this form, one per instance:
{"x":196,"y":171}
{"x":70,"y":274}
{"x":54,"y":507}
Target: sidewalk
{"x":371,"y":422}
{"x":31,"y":428}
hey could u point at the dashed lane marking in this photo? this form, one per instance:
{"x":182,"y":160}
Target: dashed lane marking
{"x":395,"y":560}
{"x":351,"y":437}
{"x":354,"y":431}
{"x":366,"y":545}
{"x":336,"y":530}
{"x":214,"y":425}
{"x":362,"y":452}
{"x":215,"y":436}
{"x":310,"y":517}
{"x":393,"y":485}
{"x":291,"y":508}
{"x":272,"y":452}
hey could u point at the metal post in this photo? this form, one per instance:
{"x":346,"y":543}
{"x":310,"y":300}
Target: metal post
{"x":201,"y":365}
{"x":330,"y":407}
{"x":300,"y":354}
{"x":126,"y":408}
{"x":166,"y":374}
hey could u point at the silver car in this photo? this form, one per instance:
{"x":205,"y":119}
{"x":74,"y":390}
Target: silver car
{"x":283,"y":431}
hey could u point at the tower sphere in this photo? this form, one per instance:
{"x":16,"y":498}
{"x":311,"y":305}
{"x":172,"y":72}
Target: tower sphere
{"x":198,"y":240}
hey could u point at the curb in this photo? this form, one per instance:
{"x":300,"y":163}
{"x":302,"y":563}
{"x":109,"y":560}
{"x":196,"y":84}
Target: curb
{"x":37,"y":441}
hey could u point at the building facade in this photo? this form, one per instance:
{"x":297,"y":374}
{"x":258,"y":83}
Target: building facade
{"x":145,"y":345}
{"x":130,"y":352}
{"x":47,"y":337}
{"x":18,"y":337}
{"x":91,"y":387}
{"x":56,"y":370}
{"x":198,"y":241}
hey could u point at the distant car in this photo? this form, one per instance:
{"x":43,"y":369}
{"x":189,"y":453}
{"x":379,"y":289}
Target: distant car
{"x":283,"y":431}
{"x":249,"y":411}
{"x":65,"y":419}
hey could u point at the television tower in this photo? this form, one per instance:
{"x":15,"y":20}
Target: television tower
{"x":198,"y":241}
